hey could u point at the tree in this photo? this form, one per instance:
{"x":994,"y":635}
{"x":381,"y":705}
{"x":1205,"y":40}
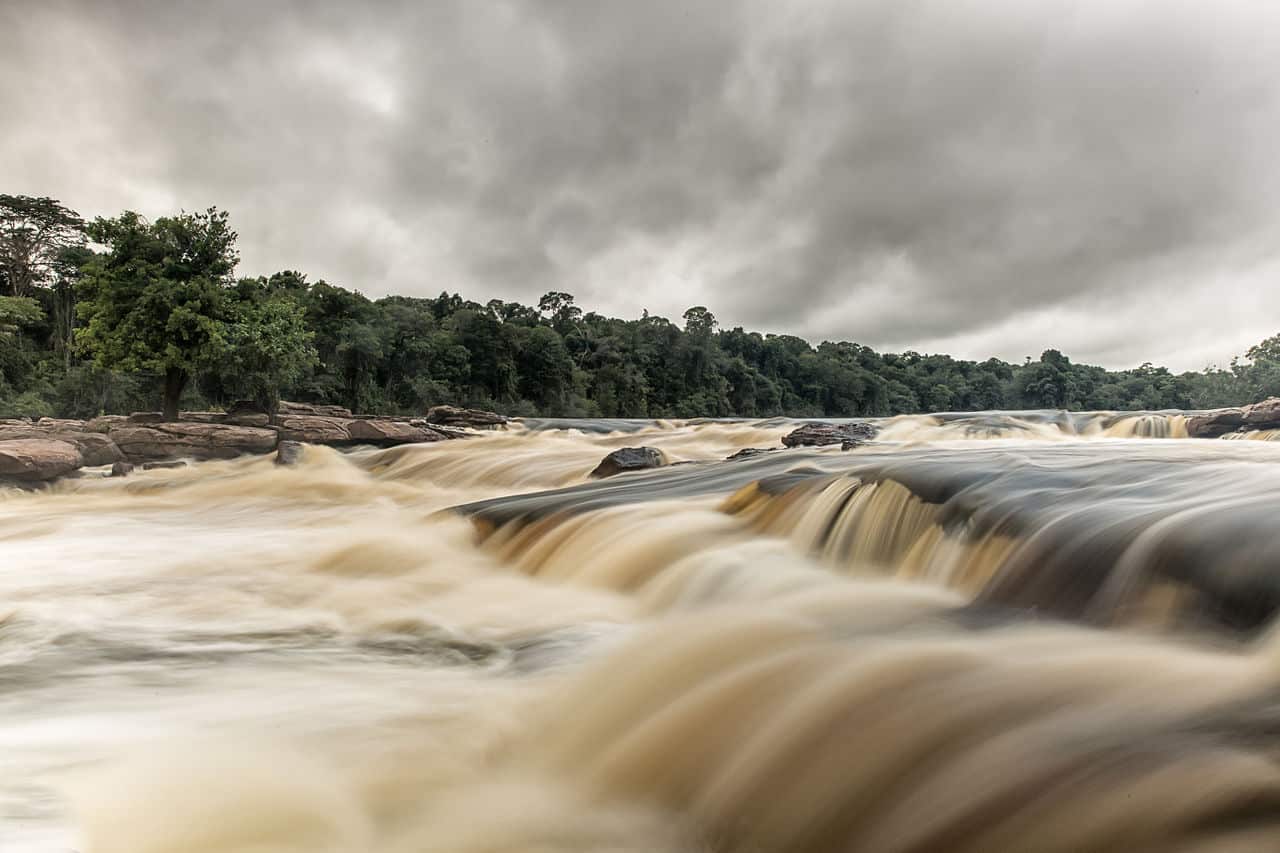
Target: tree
{"x":34,"y":234}
{"x":157,"y":301}
{"x":268,"y":346}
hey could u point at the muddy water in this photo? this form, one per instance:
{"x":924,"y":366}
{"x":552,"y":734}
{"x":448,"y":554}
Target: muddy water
{"x":1030,"y":631}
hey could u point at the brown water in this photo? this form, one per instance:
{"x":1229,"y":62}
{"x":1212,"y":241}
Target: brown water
{"x":1057,"y":639}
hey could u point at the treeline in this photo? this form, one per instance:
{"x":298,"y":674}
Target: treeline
{"x":126,"y":314}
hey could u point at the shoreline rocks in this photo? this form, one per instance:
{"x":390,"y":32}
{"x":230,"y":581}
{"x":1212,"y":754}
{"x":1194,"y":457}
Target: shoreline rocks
{"x":38,"y":459}
{"x":1219,"y":422}
{"x":457,"y":417}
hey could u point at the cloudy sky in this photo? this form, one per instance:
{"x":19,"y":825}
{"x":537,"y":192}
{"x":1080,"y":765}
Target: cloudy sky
{"x":967,"y":176}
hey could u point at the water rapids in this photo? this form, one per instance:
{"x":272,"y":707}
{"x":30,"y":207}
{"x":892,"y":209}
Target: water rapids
{"x":998,"y":632}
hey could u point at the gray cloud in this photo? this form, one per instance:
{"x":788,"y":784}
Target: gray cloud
{"x":975,"y":177}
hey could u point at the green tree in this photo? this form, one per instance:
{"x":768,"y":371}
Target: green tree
{"x":34,"y":235}
{"x":156,"y":301}
{"x":268,"y":347}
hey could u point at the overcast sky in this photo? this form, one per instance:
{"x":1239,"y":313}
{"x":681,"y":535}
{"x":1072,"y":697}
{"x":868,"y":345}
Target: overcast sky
{"x":966,"y":176}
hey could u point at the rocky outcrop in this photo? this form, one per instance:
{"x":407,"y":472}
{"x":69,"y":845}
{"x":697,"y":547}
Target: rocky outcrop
{"x":314,"y":429}
{"x":471,"y":418}
{"x":28,"y":460}
{"x":750,"y":453}
{"x":194,"y":440}
{"x":95,"y":448}
{"x":380,"y":432}
{"x":1219,"y":422}
{"x":628,"y":459}
{"x":818,"y":434}
{"x":285,"y":407}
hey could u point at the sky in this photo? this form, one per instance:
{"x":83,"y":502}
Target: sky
{"x":978,"y":177}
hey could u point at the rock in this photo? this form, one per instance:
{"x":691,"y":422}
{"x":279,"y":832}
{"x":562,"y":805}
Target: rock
{"x":473,"y":418}
{"x":202,"y":417}
{"x":629,"y":459}
{"x":249,"y":419}
{"x":289,"y":453}
{"x":37,"y":459}
{"x":1212,"y":424}
{"x":386,"y":432}
{"x":60,"y":423}
{"x":313,"y":429}
{"x":818,"y":434}
{"x":195,"y":440}
{"x":285,"y":407}
{"x":95,"y":448}
{"x":121,"y":469}
{"x":104,"y":423}
{"x":750,"y":453}
{"x":146,"y":418}
{"x":157,"y":466}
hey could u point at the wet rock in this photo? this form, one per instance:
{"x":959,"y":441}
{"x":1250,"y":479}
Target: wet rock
{"x":121,"y":469}
{"x":1219,"y":422}
{"x":313,"y":429}
{"x":37,"y":459}
{"x":163,"y":465}
{"x":95,"y":448}
{"x":458,"y":417}
{"x":194,"y":440}
{"x":289,"y":453}
{"x":629,"y":459}
{"x":286,"y":407}
{"x":818,"y":434}
{"x":384,"y":432}
{"x":750,"y":453}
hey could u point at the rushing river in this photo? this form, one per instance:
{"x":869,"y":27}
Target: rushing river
{"x":1002,"y":632}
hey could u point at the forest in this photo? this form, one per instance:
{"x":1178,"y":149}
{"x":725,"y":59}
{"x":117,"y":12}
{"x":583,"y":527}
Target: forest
{"x":126,"y":314}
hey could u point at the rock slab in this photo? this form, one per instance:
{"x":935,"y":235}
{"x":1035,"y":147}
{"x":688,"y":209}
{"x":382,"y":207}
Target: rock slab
{"x":37,"y":459}
{"x":629,"y":459}
{"x":819,"y":434}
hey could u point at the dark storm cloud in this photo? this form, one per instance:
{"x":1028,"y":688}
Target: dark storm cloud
{"x":979,"y":177}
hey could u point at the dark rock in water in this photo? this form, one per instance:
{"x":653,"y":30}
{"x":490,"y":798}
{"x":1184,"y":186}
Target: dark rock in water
{"x":629,"y":459}
{"x":37,"y":459}
{"x":750,"y":453}
{"x":285,"y":407}
{"x":121,"y":469}
{"x":473,"y":418}
{"x":289,"y":453}
{"x":1219,"y":422}
{"x":819,"y":434}
{"x":850,"y":444}
{"x":158,"y":466}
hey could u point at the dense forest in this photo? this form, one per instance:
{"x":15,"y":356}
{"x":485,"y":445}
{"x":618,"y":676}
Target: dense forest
{"x":126,"y":314}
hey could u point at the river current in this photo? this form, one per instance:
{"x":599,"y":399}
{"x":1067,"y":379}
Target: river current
{"x":996,"y":632}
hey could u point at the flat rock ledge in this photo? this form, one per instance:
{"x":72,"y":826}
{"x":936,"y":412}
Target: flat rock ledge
{"x":1218,"y":422}
{"x":37,"y":452}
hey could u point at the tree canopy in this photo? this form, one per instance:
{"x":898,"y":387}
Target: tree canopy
{"x":162,"y":318}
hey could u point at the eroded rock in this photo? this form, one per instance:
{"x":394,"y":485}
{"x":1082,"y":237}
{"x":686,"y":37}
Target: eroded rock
{"x":627,"y":459}
{"x":1219,"y":422}
{"x":820,"y":434}
{"x":289,"y":453}
{"x":37,"y":459}
{"x":95,"y":448}
{"x":194,"y":440}
{"x":458,"y":417}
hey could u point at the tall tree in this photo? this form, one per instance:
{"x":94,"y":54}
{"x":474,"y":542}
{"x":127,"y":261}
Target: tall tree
{"x":34,"y":235}
{"x":156,"y":301}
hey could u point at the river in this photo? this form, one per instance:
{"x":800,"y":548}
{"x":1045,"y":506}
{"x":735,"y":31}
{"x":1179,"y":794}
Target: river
{"x":1001,"y":632}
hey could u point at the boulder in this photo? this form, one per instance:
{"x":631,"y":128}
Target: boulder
{"x":37,"y":459}
{"x":285,"y":407}
{"x":104,"y":423}
{"x":313,"y":429}
{"x":95,"y":448}
{"x":629,"y":459}
{"x":194,"y":440}
{"x":750,"y":453}
{"x":121,"y":469}
{"x":387,"y":432}
{"x":473,"y":418}
{"x":818,"y":434}
{"x":289,"y":453}
{"x":1218,"y":422}
{"x":146,"y":418}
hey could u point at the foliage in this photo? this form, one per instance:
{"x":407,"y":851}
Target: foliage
{"x":160,"y":302}
{"x":35,"y":236}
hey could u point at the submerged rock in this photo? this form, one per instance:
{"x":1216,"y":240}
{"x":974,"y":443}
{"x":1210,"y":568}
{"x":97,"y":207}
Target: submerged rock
{"x":750,"y":453}
{"x":121,"y":469}
{"x":629,"y":459}
{"x":37,"y":459}
{"x":289,"y":453}
{"x":819,"y":434}
{"x":473,"y":418}
{"x":195,"y":440}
